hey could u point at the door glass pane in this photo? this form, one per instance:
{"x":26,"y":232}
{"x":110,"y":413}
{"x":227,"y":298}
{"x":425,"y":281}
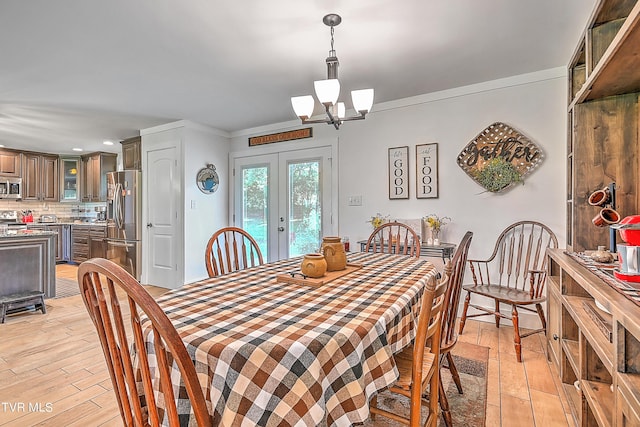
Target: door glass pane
{"x":305,"y":208}
{"x":255,"y":202}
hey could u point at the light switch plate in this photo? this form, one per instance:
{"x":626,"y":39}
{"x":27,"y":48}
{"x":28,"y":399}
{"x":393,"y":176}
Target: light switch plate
{"x":355,"y":200}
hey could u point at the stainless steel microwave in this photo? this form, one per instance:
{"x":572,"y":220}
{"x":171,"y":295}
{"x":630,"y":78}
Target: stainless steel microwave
{"x":10,"y":188}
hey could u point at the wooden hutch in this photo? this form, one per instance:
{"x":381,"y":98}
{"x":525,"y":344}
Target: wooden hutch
{"x":593,"y":329}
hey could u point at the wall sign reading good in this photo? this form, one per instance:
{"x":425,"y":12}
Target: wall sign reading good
{"x":399,"y":173}
{"x":427,"y":171}
{"x":499,"y":157}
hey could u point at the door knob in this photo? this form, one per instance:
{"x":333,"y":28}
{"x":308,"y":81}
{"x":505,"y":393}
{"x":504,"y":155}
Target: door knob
{"x":280,"y":228}
{"x":149,"y":225}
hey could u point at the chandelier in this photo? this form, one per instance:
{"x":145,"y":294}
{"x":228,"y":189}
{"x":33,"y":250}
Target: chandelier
{"x":327,"y":91}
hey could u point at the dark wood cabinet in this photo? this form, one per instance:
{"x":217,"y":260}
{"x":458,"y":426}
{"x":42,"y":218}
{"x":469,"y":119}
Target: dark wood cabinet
{"x":40,"y":177}
{"x":10,"y":163}
{"x":131,"y":153}
{"x":87,"y":241}
{"x":79,"y":243}
{"x":94,"y":168}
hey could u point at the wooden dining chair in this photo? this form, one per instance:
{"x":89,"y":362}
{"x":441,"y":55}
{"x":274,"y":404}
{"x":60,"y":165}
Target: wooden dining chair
{"x":103,"y":284}
{"x":514,"y":274}
{"x":448,"y":331}
{"x":230,"y":249}
{"x":418,"y":365}
{"x":394,"y":238}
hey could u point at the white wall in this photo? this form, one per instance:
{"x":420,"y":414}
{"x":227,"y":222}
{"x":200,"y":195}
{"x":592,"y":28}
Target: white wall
{"x":534,"y":104}
{"x":203,"y":213}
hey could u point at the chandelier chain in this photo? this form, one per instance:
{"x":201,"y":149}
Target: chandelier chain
{"x":332,"y":52}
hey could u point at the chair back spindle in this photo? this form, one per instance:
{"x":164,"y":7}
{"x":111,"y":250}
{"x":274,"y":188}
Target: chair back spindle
{"x":394,"y":238}
{"x":231,"y":249}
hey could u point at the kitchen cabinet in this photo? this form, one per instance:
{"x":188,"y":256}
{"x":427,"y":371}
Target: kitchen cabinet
{"x":10,"y":163}
{"x":131,"y":153}
{"x":97,"y":247}
{"x":70,"y":179}
{"x":79,"y":243}
{"x":94,"y":168}
{"x":40,"y":177}
{"x":87,"y":241}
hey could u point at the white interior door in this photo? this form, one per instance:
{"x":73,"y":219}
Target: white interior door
{"x":162,"y":181}
{"x":284,"y":200}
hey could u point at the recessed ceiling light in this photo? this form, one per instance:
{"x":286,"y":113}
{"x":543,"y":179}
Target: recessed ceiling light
{"x":108,"y":143}
{"x":1,"y":145}
{"x":77,"y":149}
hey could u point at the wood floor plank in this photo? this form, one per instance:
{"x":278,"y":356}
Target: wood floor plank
{"x":547,"y":409}
{"x":516,"y":412}
{"x":513,"y":381}
{"x":539,"y":373}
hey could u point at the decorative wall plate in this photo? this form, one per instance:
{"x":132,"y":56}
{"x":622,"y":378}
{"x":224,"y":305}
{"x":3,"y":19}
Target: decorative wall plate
{"x":207,"y":179}
{"x":499,"y":157}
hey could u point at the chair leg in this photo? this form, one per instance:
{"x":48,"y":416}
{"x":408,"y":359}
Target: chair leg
{"x":542,"y":319}
{"x":516,"y":333}
{"x":497,"y":312}
{"x":463,"y":318}
{"x":454,"y":372}
{"x":444,"y":405}
{"x":373,"y":403}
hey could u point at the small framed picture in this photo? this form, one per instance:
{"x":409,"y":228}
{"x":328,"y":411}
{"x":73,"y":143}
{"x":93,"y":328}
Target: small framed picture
{"x":399,"y":173}
{"x":427,"y":171}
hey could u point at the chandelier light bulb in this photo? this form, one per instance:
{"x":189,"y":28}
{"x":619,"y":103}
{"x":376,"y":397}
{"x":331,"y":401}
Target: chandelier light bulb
{"x":362,"y":100}
{"x":327,"y":91}
{"x":303,"y":105}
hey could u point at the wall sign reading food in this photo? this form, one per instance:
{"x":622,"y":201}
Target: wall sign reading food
{"x":499,"y":157}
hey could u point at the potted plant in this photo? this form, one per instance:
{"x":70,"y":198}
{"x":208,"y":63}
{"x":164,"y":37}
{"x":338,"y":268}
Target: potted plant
{"x":498,"y":174}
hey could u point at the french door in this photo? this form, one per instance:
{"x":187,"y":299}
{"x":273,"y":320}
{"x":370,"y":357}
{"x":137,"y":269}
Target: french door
{"x":284,"y":200}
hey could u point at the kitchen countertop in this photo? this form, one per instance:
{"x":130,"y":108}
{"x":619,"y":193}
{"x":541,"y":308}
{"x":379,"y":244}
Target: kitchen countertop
{"x":70,"y":222}
{"x":26,"y":233}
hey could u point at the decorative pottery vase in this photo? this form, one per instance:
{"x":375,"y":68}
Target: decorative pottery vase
{"x":602,"y":255}
{"x":313,"y":265}
{"x":333,"y":251}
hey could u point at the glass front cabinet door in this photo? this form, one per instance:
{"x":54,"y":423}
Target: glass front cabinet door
{"x":69,"y":184}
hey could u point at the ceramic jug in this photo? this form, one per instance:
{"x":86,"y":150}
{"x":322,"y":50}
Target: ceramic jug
{"x":333,"y":251}
{"x":313,"y":265}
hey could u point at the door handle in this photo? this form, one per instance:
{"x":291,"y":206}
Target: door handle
{"x":280,"y":228}
{"x":120,"y":245}
{"x":149,"y":225}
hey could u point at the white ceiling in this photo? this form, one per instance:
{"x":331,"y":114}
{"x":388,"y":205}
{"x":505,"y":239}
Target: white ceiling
{"x":76,"y":72}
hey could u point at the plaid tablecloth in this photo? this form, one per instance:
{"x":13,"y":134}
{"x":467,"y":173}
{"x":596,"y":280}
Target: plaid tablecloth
{"x":278,"y":354}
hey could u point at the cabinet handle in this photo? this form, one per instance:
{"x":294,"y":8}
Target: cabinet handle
{"x":555,"y":337}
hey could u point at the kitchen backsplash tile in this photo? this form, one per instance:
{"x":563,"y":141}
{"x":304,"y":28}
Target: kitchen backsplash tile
{"x":87,"y":211}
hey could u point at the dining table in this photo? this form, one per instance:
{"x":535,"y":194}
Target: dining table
{"x":273,"y":353}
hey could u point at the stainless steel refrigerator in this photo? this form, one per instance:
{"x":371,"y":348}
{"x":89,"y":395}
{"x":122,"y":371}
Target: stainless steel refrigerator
{"x":124,"y":215}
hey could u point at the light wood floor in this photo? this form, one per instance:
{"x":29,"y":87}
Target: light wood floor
{"x":54,"y":364}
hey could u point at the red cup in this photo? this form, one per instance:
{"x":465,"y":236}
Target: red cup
{"x":600,"y":197}
{"x":606,"y":217}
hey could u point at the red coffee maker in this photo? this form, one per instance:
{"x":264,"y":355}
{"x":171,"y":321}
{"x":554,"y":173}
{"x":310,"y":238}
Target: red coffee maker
{"x":628,"y":252}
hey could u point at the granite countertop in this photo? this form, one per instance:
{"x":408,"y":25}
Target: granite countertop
{"x":26,"y":233}
{"x":70,"y":222}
